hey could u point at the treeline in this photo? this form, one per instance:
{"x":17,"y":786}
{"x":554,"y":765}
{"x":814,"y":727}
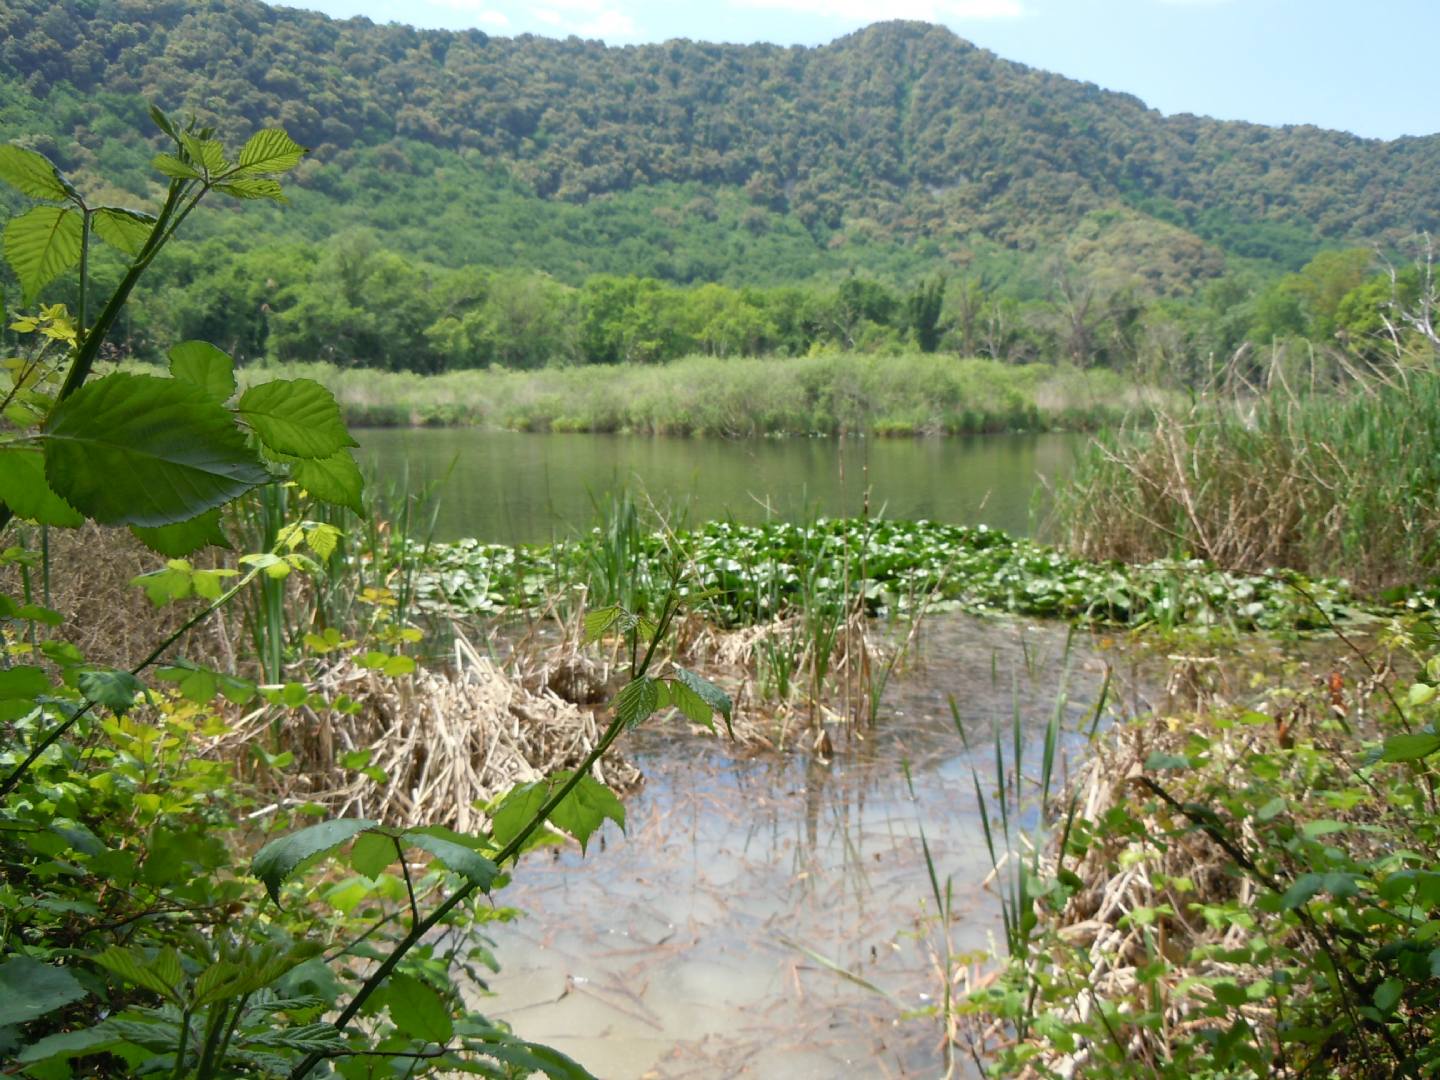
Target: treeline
{"x":352,"y":302}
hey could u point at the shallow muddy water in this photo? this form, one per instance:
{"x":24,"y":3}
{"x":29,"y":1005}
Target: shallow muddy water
{"x":704,"y":941}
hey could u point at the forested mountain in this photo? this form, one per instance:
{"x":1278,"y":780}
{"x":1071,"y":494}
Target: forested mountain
{"x":473,"y":200}
{"x":898,"y":133}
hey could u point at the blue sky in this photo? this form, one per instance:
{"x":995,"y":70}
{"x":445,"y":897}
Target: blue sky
{"x":1362,"y":67}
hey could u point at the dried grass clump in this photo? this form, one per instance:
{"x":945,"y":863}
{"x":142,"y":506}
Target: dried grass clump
{"x":447,"y":742}
{"x":1334,"y":483}
{"x":108,"y":619}
{"x":829,"y":687}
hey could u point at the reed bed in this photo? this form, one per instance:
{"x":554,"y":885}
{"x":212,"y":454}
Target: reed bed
{"x":1337,"y":483}
{"x":445,"y":743}
{"x":831,"y":393}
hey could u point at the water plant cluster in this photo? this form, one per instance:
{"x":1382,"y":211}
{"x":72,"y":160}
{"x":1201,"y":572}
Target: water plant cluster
{"x":744,"y":574}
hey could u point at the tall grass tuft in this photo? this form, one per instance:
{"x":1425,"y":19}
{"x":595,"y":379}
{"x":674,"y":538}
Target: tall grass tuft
{"x":1337,"y":484}
{"x":828,"y":394}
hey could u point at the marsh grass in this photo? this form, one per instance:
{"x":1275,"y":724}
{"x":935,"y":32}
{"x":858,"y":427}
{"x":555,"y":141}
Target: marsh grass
{"x":833,"y":393}
{"x":1339,"y":483}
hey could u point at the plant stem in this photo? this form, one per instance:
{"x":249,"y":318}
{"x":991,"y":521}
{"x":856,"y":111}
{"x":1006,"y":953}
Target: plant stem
{"x":419,"y":930}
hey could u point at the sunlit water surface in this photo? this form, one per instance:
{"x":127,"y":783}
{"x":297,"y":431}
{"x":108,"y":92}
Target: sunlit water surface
{"x":709,"y":939}
{"x":511,"y":487}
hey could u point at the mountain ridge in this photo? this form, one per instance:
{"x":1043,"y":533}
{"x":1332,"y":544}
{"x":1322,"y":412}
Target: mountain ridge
{"x":900,"y":134}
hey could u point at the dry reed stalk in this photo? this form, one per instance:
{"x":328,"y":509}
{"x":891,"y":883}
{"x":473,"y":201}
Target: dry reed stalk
{"x":108,"y":619}
{"x":763,"y":721}
{"x":447,"y":742}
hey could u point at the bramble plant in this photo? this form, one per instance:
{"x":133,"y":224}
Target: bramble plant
{"x":132,"y":937}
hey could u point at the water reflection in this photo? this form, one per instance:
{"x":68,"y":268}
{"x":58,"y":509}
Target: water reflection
{"x":508,"y":487}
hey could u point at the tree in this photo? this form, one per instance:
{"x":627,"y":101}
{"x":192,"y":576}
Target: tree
{"x":922,"y":312}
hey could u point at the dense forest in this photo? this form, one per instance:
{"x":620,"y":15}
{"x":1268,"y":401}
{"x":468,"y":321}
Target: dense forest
{"x":473,"y":200}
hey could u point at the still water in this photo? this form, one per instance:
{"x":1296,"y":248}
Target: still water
{"x":709,"y":939}
{"x":510,"y":487}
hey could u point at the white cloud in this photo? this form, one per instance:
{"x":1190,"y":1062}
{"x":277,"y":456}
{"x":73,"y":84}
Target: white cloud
{"x":873,"y":11}
{"x":588,"y":19}
{"x":478,"y":13}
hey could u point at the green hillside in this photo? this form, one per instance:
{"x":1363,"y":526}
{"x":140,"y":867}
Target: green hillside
{"x":473,"y":200}
{"x":901,"y":134}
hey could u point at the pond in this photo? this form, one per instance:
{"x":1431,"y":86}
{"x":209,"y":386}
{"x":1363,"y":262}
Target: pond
{"x":511,"y":487}
{"x":709,"y":939}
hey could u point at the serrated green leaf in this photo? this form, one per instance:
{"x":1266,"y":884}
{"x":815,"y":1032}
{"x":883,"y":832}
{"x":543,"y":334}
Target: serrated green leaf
{"x":465,"y":861}
{"x":691,"y":705}
{"x":530,"y":1057}
{"x":195,"y":683}
{"x":580,"y":813}
{"x":418,"y":1011}
{"x":335,"y":479}
{"x":23,"y":681}
{"x":516,"y":810}
{"x":206,"y":153}
{"x":317,"y":1038}
{"x":278,"y":860}
{"x":586,"y":807}
{"x":32,"y":174}
{"x":160,"y":973}
{"x":253,"y":188}
{"x":205,"y":366}
{"x":270,"y":150}
{"x":115,"y":689}
{"x":712,"y":695}
{"x":163,"y":122}
{"x":30,"y":990}
{"x":127,"y":230}
{"x":24,"y":489}
{"x":1388,"y":994}
{"x":173,"y":167}
{"x":69,"y":1044}
{"x":322,"y":539}
{"x":1302,"y":890}
{"x":140,"y":450}
{"x":297,"y":417}
{"x":41,"y":244}
{"x":372,"y":852}
{"x":636,"y":701}
{"x":166,"y":586}
{"x":598,"y":622}
{"x":1159,"y":762}
{"x":39,"y":613}
{"x":184,"y":537}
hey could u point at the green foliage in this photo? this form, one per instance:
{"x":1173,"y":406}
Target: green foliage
{"x":137,"y":450}
{"x":132,"y":936}
{"x":565,"y":246}
{"x":1287,"y":924}
{"x":747,"y":574}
